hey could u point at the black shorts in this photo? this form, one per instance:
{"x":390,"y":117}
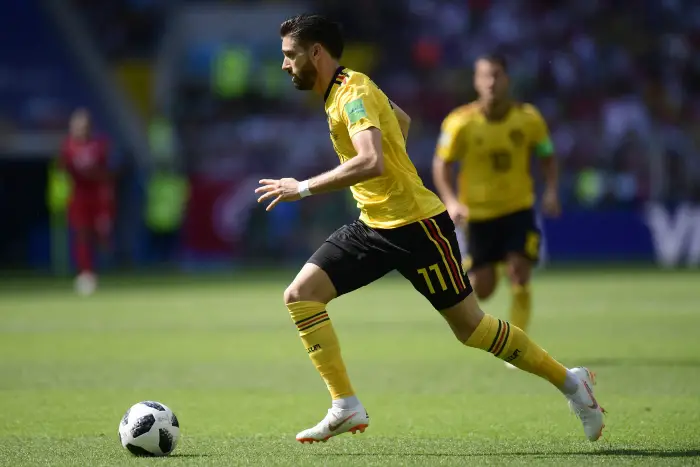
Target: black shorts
{"x":424,"y":252}
{"x":490,"y":241}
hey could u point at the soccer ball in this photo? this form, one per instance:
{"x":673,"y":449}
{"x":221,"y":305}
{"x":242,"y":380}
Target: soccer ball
{"x":149,"y":429}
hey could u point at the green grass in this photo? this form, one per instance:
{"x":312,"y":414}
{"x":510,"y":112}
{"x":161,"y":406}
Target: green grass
{"x":223,"y":354}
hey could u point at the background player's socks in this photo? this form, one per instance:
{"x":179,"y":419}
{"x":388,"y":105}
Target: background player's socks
{"x":83,"y":254}
{"x":511,"y":344}
{"x":321,"y":343}
{"x":520,"y":306}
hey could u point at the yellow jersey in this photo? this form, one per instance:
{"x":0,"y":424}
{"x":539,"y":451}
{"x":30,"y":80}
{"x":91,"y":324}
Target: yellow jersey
{"x":397,"y":197}
{"x":494,"y":156}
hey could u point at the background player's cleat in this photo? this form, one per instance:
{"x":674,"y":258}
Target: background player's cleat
{"x":336,"y":422}
{"x":510,"y":366}
{"x":584,"y":404}
{"x":85,"y":283}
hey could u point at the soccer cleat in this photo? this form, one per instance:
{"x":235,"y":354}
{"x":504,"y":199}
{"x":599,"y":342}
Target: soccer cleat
{"x":510,"y":366}
{"x":336,"y":422}
{"x":584,"y":404}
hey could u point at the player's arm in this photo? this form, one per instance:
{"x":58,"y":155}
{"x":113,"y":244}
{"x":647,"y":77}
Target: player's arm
{"x":549,"y":166}
{"x":367,"y":164}
{"x":449,"y":150}
{"x":403,"y":118}
{"x":544,"y":150}
{"x":443,"y":175}
{"x":359,"y":110}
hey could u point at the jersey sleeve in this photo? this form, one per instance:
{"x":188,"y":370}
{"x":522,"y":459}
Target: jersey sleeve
{"x":450,"y":145}
{"x":359,"y":108}
{"x":540,"y":135}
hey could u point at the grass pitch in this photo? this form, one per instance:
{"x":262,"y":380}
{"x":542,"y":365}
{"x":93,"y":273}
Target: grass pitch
{"x":224,"y":355}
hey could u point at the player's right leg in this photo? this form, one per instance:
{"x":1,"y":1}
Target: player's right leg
{"x":80,"y":223}
{"x":432,"y":267}
{"x":476,"y":329}
{"x":521,"y":249}
{"x":345,"y":262}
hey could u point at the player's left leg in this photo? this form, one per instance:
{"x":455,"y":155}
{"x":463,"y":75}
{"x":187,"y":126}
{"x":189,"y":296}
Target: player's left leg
{"x":79,"y":217}
{"x":522,"y":245}
{"x":348,"y":260}
{"x":519,"y":271}
{"x":476,"y":329}
{"x":103,"y":225}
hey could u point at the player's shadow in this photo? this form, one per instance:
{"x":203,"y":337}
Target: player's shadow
{"x":603,"y":452}
{"x":644,"y":453}
{"x":641,"y":362}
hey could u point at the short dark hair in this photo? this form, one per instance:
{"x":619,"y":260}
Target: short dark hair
{"x":496,"y":58}
{"x":308,"y":29}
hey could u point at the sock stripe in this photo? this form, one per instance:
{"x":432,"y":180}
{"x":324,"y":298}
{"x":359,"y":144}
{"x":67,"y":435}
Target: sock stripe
{"x":499,"y":341}
{"x":505,"y":340}
{"x":302,"y":321}
{"x":315,"y":323}
{"x":495,"y":338}
{"x":310,"y":322}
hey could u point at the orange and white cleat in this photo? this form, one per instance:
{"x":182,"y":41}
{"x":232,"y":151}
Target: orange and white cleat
{"x":336,"y":422}
{"x":584,"y":404}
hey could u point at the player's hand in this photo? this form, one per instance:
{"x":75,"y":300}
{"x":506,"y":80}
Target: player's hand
{"x":285,"y":189}
{"x":458,"y":212}
{"x":550,"y":203}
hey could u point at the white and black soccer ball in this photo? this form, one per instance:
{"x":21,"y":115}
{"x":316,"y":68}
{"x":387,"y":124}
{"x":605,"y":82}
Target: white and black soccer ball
{"x":149,"y":428}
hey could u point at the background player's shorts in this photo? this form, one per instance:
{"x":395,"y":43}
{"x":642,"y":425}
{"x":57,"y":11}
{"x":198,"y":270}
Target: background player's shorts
{"x":490,"y":241}
{"x":425,"y":252}
{"x":95,"y":216}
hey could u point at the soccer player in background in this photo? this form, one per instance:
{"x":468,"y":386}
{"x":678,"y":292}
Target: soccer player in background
{"x":402,"y":226}
{"x":493,"y":139}
{"x":84,"y":157}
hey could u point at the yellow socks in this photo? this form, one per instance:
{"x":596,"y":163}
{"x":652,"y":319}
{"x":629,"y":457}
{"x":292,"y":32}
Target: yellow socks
{"x":520,"y":306}
{"x":321,"y":343}
{"x":511,"y":344}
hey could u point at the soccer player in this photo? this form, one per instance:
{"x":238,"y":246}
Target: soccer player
{"x":493,"y":139}
{"x":85,"y":158}
{"x":402,"y":226}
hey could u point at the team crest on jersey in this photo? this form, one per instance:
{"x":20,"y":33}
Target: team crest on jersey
{"x":517,"y":137}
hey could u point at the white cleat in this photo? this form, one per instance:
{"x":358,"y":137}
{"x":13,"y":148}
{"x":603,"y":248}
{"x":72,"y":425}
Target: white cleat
{"x":510,"y":366}
{"x":85,"y":283}
{"x":336,"y":422}
{"x":584,"y":404}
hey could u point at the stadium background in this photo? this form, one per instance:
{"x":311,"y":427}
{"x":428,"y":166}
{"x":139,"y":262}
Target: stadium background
{"x":191,"y":94}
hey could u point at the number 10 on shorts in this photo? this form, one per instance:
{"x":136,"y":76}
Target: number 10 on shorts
{"x":425,"y":272}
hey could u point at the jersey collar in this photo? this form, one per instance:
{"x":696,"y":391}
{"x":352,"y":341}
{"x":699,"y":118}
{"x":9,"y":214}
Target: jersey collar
{"x":334,"y":80}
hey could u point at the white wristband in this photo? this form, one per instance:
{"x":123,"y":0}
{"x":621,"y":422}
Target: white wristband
{"x":304,"y":189}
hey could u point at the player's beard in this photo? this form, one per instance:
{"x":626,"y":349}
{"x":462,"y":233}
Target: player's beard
{"x":306,"y":78}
